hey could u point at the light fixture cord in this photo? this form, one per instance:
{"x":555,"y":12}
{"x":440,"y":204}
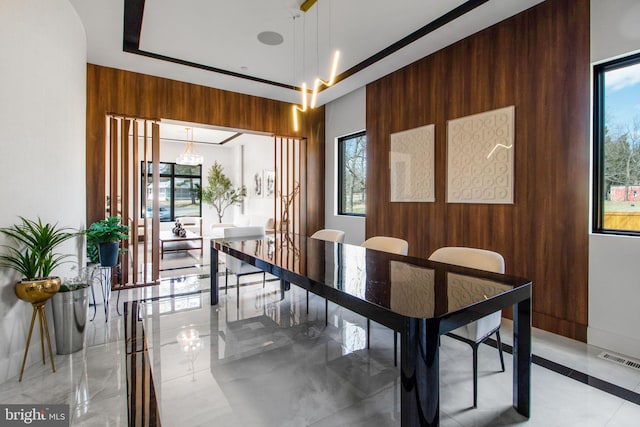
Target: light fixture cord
{"x":294,"y":47}
{"x":317,"y":38}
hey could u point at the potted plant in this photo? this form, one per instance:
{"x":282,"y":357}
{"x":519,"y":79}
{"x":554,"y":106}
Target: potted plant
{"x":70,"y":312}
{"x":106,"y":235}
{"x":220,"y":192}
{"x":34,"y":257}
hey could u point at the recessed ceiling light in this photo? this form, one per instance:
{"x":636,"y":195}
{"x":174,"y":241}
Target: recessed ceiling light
{"x":270,"y":38}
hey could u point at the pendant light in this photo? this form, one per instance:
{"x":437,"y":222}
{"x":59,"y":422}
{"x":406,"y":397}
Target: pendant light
{"x":190,"y":156}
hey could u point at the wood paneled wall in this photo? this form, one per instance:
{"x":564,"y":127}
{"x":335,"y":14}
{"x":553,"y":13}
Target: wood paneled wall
{"x":539,"y":62}
{"x":122,"y":92}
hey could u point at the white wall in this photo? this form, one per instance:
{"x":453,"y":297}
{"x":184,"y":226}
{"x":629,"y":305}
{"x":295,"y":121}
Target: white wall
{"x":240,"y":165}
{"x":226,"y":155}
{"x":42,"y":164}
{"x":258,"y":158}
{"x":344,"y":116}
{"x":614,"y":279}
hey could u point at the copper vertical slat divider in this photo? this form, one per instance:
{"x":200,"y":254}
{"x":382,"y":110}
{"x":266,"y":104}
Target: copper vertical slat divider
{"x":278,"y":190}
{"x":287,"y":171}
{"x":145,"y":268}
{"x":135,"y":209}
{"x":124,"y":190}
{"x":302,"y":198}
{"x":113,"y":167}
{"x":293,"y":168}
{"x":294,"y":215}
{"x":276,"y":221}
{"x":302,"y":201}
{"x":114,"y":139}
{"x":155,"y":227}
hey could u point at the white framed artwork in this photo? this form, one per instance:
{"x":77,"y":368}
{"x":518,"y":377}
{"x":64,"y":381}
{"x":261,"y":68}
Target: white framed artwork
{"x":411,"y":165}
{"x":257,"y":184}
{"x":480,"y":153}
{"x":269,"y":183}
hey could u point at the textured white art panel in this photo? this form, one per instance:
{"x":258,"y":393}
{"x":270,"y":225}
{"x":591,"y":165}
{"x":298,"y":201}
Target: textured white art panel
{"x":480,"y":157}
{"x":411,"y":165}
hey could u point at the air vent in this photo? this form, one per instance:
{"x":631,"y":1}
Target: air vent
{"x":620,"y":360}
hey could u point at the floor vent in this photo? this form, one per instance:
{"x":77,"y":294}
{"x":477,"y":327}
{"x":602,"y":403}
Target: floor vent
{"x":620,"y":360}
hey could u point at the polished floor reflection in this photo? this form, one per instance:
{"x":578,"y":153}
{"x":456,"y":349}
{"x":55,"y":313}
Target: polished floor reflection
{"x":267,"y":362}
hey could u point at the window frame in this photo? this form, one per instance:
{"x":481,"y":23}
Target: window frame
{"x":172,"y":176}
{"x":598,"y":196}
{"x":339,"y":174}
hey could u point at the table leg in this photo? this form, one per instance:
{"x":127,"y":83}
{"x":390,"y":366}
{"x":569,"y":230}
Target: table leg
{"x":420,"y":374}
{"x":522,"y":357}
{"x":93,"y":294}
{"x":214,"y":276}
{"x":105,"y":286}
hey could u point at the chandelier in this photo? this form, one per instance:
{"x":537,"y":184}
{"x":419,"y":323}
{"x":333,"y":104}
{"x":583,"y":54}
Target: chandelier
{"x":190,"y":156}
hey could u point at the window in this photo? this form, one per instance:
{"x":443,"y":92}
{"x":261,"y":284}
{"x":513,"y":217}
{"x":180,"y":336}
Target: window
{"x":617,"y":147}
{"x":352,"y":174}
{"x":180,"y":190}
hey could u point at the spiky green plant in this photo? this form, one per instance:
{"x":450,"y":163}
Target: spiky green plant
{"x":34,"y":257}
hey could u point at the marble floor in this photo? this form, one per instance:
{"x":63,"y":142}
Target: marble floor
{"x":263,"y":361}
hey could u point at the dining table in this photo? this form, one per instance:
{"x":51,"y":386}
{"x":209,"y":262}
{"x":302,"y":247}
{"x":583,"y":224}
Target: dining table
{"x":418,"y":298}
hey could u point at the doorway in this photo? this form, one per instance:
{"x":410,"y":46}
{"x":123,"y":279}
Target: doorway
{"x":142,"y":152}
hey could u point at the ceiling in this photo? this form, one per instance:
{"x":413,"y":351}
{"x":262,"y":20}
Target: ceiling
{"x":198,"y":133}
{"x":215,"y":42}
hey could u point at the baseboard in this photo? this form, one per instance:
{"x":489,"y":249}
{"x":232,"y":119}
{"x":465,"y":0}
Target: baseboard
{"x":628,"y":346}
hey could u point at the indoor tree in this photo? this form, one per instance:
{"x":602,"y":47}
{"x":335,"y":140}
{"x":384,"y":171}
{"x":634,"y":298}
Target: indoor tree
{"x":220,"y":192}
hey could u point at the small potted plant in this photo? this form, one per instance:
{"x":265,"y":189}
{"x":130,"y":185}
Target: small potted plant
{"x":34,"y":257}
{"x":106,"y":235}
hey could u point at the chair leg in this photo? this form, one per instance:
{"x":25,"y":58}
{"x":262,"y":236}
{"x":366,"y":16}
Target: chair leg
{"x":368,"y":332}
{"x":307,"y":302}
{"x":226,"y":281}
{"x":475,"y":375}
{"x":238,"y":291}
{"x":499,"y":341}
{"x":264,"y":278}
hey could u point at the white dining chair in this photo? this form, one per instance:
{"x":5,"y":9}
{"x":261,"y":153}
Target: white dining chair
{"x":387,"y":244}
{"x":475,"y":333}
{"x":234,"y":265}
{"x":328,"y":235}
{"x":392,"y":245}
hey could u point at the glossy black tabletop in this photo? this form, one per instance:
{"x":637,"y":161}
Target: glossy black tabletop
{"x":386,"y":287}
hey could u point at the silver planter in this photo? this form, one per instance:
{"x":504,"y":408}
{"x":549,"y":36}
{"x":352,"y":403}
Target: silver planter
{"x":70,"y":312}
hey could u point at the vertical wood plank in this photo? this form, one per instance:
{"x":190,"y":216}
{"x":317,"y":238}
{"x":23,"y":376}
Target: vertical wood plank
{"x":124,"y":192}
{"x":135,"y":215}
{"x":145,"y":206}
{"x":113,"y":168}
{"x":155,"y":222}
